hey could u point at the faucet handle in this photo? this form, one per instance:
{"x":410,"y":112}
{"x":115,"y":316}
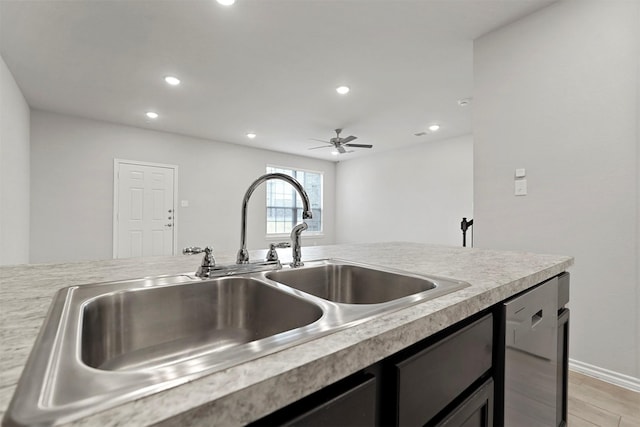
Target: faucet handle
{"x":192,"y":250}
{"x":208,"y":260}
{"x":272,"y":254}
{"x":208,"y":263}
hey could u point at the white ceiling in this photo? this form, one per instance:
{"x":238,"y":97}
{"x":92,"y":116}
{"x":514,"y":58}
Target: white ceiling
{"x":267,"y":66}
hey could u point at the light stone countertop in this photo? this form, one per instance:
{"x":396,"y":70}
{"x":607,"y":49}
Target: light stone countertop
{"x":248,"y":391}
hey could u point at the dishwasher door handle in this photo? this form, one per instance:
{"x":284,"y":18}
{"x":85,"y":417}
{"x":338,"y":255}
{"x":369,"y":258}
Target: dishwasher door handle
{"x":537,"y":318}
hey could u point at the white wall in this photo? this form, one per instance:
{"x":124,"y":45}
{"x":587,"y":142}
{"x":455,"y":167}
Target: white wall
{"x":556,"y":93}
{"x":72,"y":186}
{"x":415,"y":194}
{"x":14,"y":171}
{"x":638,"y":215}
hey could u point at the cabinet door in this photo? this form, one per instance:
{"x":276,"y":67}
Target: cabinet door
{"x":430,"y":380}
{"x":475,"y":411}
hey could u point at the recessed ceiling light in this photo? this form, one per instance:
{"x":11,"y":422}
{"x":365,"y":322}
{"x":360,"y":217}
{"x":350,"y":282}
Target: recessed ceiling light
{"x":434,"y":127}
{"x":173,"y":81}
{"x":343,"y":90}
{"x":226,"y":2}
{"x":251,"y":135}
{"x":464,"y":102}
{"x":151,"y":115}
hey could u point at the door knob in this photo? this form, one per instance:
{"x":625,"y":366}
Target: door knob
{"x":168,"y":225}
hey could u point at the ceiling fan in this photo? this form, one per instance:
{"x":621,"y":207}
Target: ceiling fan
{"x":340,"y":143}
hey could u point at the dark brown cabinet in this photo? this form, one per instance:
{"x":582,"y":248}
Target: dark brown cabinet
{"x":562,"y":378}
{"x":444,"y":380}
{"x":562,"y":375}
{"x":354,"y":407}
{"x":434,"y":378}
{"x":475,"y":411}
{"x":350,"y":402}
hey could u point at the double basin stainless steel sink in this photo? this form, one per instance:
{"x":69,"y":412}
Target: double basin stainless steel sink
{"x":105,"y":344}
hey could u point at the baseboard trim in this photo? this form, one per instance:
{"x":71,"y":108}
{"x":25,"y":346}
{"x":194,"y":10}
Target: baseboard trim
{"x":612,"y":377}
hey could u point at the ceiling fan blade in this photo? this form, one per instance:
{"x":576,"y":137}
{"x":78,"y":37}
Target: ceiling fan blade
{"x":320,"y":140}
{"x":341,"y":149}
{"x":360,"y":145}
{"x":348,"y":139}
{"x":322,"y":146}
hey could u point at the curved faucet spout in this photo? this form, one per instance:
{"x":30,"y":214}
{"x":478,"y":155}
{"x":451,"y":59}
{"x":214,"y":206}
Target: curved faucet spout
{"x":243,"y":254}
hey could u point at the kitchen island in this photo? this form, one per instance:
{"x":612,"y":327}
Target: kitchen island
{"x":250,"y":390}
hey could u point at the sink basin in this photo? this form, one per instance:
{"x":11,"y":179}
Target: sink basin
{"x":106,"y":344}
{"x":109,"y":343}
{"x":352,"y":284}
{"x":137,"y":329}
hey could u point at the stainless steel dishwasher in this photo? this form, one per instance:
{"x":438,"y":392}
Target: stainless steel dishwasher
{"x":536,"y":344}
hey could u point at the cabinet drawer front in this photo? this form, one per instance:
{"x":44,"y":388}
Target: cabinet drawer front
{"x":432,"y":378}
{"x":355,"y":407}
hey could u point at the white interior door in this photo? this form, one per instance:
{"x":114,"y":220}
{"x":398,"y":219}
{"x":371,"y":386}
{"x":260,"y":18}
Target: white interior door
{"x":144,"y":211}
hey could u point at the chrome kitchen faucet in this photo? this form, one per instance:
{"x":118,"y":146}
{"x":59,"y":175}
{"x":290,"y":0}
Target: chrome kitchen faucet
{"x":243,"y":254}
{"x":208,"y":267}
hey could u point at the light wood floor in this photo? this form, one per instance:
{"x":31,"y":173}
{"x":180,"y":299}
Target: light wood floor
{"x":597,"y":403}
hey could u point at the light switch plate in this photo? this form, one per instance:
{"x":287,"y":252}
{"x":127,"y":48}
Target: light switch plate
{"x":521,"y":187}
{"x":521,"y":173}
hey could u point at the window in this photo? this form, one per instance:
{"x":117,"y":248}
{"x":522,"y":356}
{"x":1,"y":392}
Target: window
{"x":284,"y":205}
